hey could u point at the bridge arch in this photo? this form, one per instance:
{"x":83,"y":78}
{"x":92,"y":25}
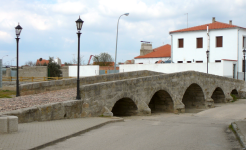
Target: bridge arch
{"x":194,"y":97}
{"x":125,"y":107}
{"x":218,"y":95}
{"x":161,"y":101}
{"x":235,"y":93}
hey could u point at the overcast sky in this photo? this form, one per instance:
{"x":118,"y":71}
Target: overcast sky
{"x":49,"y":25}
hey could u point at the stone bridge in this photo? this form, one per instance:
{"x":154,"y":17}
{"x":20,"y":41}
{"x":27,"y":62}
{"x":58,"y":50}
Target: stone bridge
{"x":163,"y":92}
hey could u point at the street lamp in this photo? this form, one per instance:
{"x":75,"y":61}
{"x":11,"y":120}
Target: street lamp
{"x":18,"y":32}
{"x":79,"y":24}
{"x":3,"y":57}
{"x":244,"y":53}
{"x":126,"y":14}
{"x":207,"y":52}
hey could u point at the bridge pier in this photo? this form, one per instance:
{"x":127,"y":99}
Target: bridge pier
{"x":179,"y":108}
{"x":143,"y":108}
{"x":209,"y":103}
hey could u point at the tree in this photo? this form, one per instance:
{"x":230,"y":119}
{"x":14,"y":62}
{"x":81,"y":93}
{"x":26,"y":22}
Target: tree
{"x":74,"y":60}
{"x":54,"y":68}
{"x":30,"y":63}
{"x":68,"y":64}
{"x":103,"y":59}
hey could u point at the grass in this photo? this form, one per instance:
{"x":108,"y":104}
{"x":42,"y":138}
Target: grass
{"x":234,"y":97}
{"x":6,"y":93}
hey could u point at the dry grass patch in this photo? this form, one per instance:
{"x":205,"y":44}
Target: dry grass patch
{"x":7,"y":93}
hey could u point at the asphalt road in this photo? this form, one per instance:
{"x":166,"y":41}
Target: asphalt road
{"x":206,"y":130}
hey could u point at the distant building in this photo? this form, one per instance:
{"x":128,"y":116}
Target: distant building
{"x":41,"y":62}
{"x":159,"y":54}
{"x":58,"y":61}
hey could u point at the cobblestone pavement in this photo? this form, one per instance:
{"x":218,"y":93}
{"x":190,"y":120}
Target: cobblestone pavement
{"x":37,"y":134}
{"x":7,"y":104}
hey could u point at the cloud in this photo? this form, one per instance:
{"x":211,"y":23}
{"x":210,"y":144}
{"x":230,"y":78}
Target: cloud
{"x":49,"y":26}
{"x":6,"y":37}
{"x":69,"y":7}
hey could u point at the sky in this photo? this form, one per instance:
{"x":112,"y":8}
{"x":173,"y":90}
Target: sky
{"x":49,"y":27}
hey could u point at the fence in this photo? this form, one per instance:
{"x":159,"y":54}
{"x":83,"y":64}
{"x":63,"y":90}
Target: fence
{"x":101,"y":72}
{"x":33,"y":79}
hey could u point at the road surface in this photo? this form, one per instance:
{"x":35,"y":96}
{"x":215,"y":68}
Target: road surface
{"x":206,"y":130}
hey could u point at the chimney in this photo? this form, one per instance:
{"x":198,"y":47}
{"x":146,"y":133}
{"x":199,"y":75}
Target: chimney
{"x":213,"y":19}
{"x":230,"y":22}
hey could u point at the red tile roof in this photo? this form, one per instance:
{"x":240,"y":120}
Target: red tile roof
{"x":42,"y":62}
{"x":214,"y":25}
{"x":162,"y":51}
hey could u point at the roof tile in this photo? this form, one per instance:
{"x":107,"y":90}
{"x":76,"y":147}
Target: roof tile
{"x":214,"y":25}
{"x":162,"y":51}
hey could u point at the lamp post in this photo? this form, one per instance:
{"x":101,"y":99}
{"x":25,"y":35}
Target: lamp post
{"x":17,"y":31}
{"x":126,"y":14}
{"x":207,"y":52}
{"x":3,"y":57}
{"x":244,"y":53}
{"x":79,"y":24}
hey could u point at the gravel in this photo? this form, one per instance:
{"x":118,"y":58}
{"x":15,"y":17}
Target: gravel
{"x":8,"y":104}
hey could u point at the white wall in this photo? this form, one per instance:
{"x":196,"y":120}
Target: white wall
{"x":150,"y":60}
{"x":221,"y":69}
{"x":89,"y":70}
{"x":190,"y":52}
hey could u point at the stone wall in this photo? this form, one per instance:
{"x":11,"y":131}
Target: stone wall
{"x":34,"y":71}
{"x":186,"y":90}
{"x":54,"y":111}
{"x":8,"y":73}
{"x":65,"y":70}
{"x":39,"y":87}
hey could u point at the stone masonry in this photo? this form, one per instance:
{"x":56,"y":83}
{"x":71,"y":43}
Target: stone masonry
{"x":181,"y":90}
{"x":39,"y":87}
{"x":139,"y":95}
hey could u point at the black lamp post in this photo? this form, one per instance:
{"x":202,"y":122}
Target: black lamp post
{"x":207,"y":52}
{"x":79,"y":24}
{"x":17,"y":31}
{"x":244,"y":53}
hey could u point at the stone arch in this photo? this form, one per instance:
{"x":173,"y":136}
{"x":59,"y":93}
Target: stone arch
{"x":218,"y":95}
{"x":194,"y":97}
{"x":161,"y":101}
{"x":234,"y":92}
{"x":125,"y":107}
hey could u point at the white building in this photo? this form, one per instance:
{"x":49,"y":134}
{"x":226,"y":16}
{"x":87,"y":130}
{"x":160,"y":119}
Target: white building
{"x":58,"y":61}
{"x":159,"y":54}
{"x":223,"y":41}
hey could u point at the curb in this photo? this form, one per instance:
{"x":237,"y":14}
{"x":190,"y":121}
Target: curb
{"x":239,"y":135}
{"x":77,"y":133}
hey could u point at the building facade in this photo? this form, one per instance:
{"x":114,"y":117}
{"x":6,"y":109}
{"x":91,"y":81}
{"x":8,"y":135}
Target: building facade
{"x":223,"y":41}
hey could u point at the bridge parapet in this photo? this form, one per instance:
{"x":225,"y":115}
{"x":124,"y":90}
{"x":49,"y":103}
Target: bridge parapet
{"x":39,"y":87}
{"x":184,"y":89}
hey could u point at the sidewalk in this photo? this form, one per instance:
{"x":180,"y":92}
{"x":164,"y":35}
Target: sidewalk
{"x":240,"y":129}
{"x":40,"y":134}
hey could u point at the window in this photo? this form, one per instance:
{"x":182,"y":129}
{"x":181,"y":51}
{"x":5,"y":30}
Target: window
{"x":199,"y":61}
{"x":217,"y":60}
{"x":219,"y":41}
{"x":181,"y":43}
{"x":180,"y":61}
{"x":199,"y":42}
{"x":243,"y":69}
{"x":188,"y":61}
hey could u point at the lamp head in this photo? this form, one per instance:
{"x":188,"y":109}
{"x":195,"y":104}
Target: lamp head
{"x":79,"y":24}
{"x":18,"y":30}
{"x":207,"y":52}
{"x":244,"y":52}
{"x":126,"y":14}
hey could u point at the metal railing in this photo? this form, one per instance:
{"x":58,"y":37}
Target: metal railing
{"x":34,"y":79}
